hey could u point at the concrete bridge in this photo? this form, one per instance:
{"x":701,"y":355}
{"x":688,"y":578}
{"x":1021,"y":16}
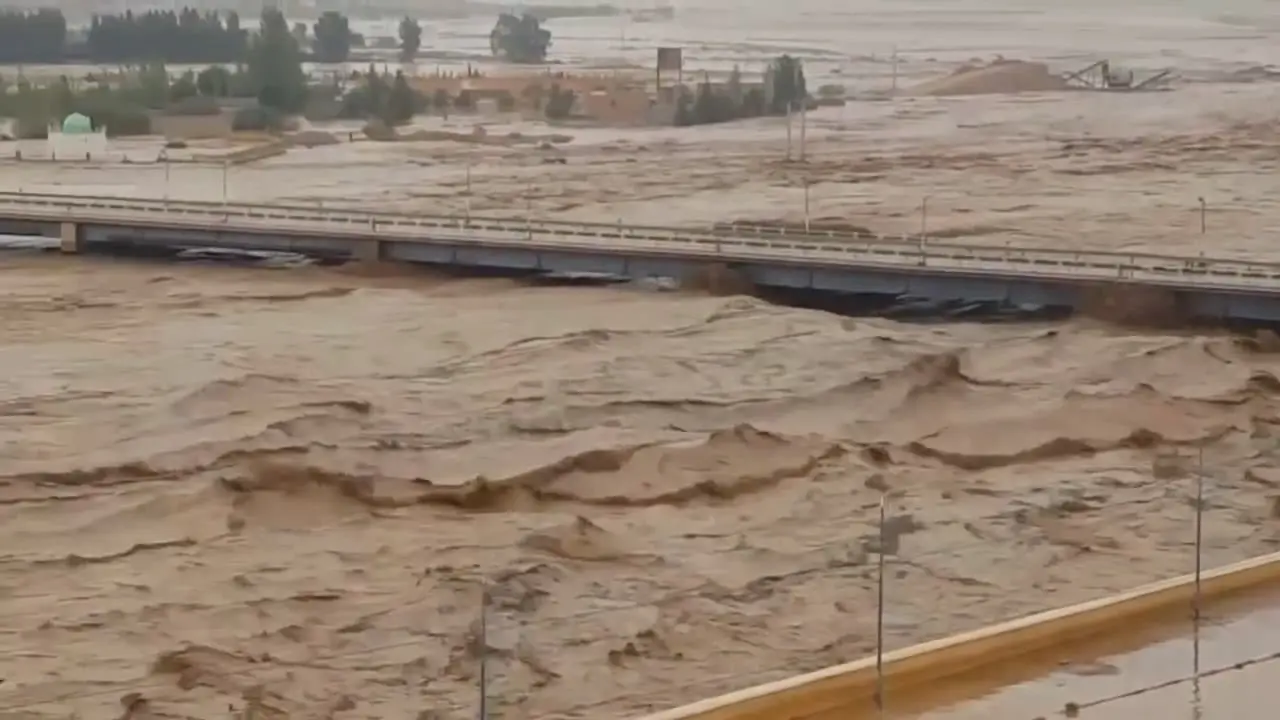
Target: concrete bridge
{"x":828,"y":262}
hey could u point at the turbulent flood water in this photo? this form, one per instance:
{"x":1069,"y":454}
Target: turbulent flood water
{"x":285,"y":490}
{"x":289,"y":492}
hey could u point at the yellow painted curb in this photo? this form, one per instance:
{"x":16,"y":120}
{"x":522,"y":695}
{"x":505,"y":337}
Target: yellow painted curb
{"x":824,"y":691}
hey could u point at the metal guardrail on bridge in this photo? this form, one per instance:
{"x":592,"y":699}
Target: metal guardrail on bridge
{"x":826,"y":250}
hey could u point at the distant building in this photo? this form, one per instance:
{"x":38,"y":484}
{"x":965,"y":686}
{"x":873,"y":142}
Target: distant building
{"x":77,"y":139}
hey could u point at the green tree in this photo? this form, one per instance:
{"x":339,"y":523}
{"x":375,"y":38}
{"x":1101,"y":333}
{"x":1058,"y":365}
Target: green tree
{"x":559,"y":103}
{"x":753,"y":104}
{"x":177,"y":36}
{"x":332,"y":38}
{"x":785,"y":78}
{"x":32,"y":37}
{"x":184,"y":87}
{"x":519,"y":39}
{"x":401,"y":102}
{"x":441,"y":101}
{"x":153,"y":85}
{"x":377,"y":90}
{"x":410,"y":39}
{"x":214,"y":81}
{"x":275,"y":65}
{"x":734,"y":86}
{"x":62,"y":98}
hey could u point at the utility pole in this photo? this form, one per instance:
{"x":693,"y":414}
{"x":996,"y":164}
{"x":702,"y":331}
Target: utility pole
{"x":484,"y":655}
{"x":806,"y":205}
{"x":1197,"y":598}
{"x":468,"y":187}
{"x":804,"y":124}
{"x":164,"y":157}
{"x":788,"y":132}
{"x":528,"y":212}
{"x":880,"y":613}
{"x":804,"y":106}
{"x":895,"y":69}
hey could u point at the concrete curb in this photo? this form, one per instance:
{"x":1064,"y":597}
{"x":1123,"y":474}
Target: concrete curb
{"x":853,"y":684}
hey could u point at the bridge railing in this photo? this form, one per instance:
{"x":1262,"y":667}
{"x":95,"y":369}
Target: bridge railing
{"x":834,"y":249}
{"x":731,"y":229}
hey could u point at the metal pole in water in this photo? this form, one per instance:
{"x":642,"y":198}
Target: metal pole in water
{"x":880,"y":614}
{"x":484,"y":654}
{"x":1196,"y":705}
{"x":1196,"y":598}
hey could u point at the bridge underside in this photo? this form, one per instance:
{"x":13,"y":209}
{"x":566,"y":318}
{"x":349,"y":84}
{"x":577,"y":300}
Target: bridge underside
{"x":890,"y":282}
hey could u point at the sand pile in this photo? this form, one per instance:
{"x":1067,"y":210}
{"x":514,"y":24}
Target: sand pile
{"x":999,"y":77}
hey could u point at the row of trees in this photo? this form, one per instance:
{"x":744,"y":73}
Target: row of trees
{"x":185,"y":36}
{"x":784,"y":91}
{"x":182,"y":36}
{"x":392,"y":100}
{"x":33,"y":37}
{"x":268,"y":68}
{"x":191,"y":36}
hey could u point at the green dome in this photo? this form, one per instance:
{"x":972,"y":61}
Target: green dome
{"x":77,"y":124}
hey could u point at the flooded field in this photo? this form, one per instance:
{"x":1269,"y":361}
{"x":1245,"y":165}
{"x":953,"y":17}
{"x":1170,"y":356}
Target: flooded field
{"x":1085,"y":170}
{"x":287,"y":492}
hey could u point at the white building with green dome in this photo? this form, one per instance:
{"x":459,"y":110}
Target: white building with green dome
{"x":77,"y":124}
{"x":77,"y":140}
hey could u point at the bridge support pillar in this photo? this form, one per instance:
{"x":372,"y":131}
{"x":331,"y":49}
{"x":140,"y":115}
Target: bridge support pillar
{"x":369,"y":251}
{"x":69,"y":234}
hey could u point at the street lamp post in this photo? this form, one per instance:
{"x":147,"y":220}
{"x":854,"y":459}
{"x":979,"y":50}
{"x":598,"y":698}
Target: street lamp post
{"x":528,"y":212}
{"x":895,"y":71}
{"x":164,"y":157}
{"x":924,"y":226}
{"x":806,"y":205}
{"x":468,"y":189}
{"x":804,"y":125}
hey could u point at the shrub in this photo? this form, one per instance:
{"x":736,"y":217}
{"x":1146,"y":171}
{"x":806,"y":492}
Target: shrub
{"x":256,"y":119}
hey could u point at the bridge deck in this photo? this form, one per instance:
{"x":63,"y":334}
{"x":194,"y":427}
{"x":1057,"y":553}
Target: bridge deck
{"x":527,"y":244}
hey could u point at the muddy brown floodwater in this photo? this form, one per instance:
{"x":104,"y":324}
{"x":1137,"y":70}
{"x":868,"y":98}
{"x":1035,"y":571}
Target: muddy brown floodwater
{"x":1223,"y":668}
{"x":226,"y":490}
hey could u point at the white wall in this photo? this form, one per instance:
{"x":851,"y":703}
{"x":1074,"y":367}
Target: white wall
{"x":75,"y":147}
